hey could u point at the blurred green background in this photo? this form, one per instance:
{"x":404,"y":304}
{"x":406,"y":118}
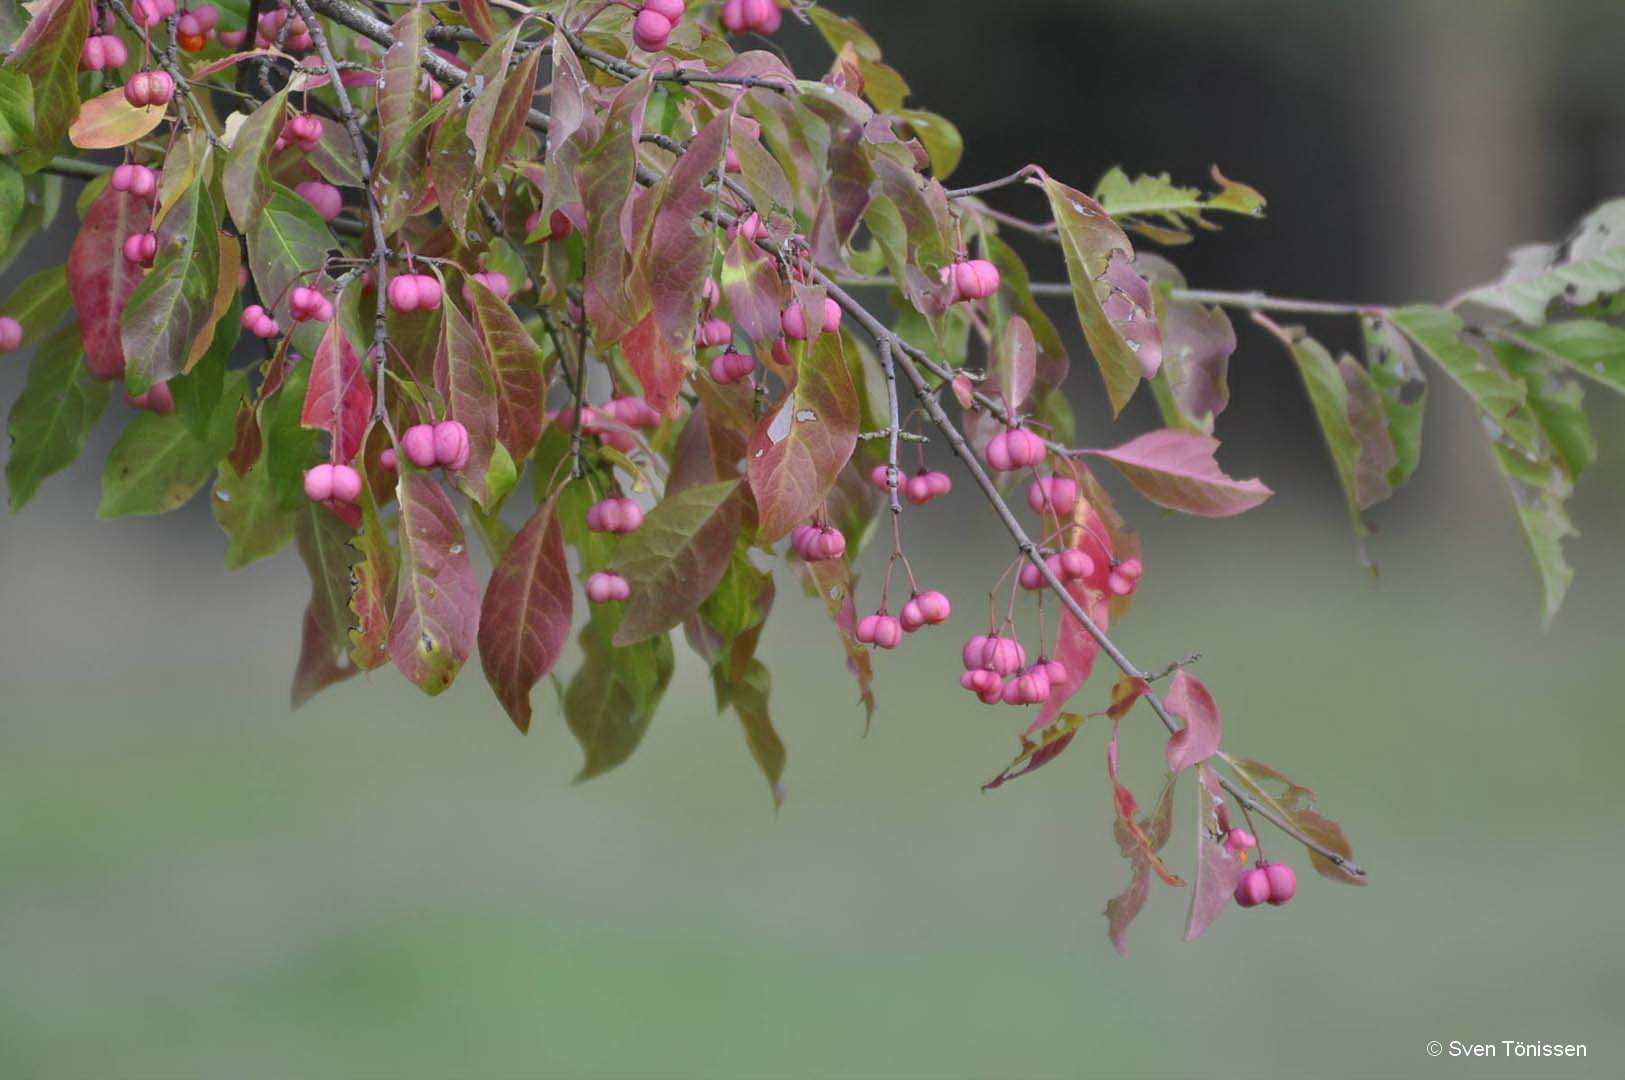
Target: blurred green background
{"x":196,"y":882}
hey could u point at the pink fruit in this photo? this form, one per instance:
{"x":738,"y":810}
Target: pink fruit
{"x":732,"y":18}
{"x":156,"y":399}
{"x":258,"y":322}
{"x":998,"y":453}
{"x":417,"y":443}
{"x":925,"y":609}
{"x":634,"y":412}
{"x":496,"y":282}
{"x":451,"y":445}
{"x":761,"y":16}
{"x":149,"y":88}
{"x":975,"y":279}
{"x":980,"y":682}
{"x":925,"y":486}
{"x":713,"y":332}
{"x":650,"y":30}
{"x":319,"y":483}
{"x":207,"y":16}
{"x":103,"y":51}
{"x":865,"y":630}
{"x":326,"y":198}
{"x":141,"y":248}
{"x":303,"y":131}
{"x":308,"y":303}
{"x":607,"y":586}
{"x":232,"y":39}
{"x":880,"y":477}
{"x":413,"y":292}
{"x":749,"y":226}
{"x":11,"y":333}
{"x":731,"y":367}
{"x":1073,"y":565}
{"x":1282,"y":882}
{"x":711,"y":294}
{"x":888,"y":631}
{"x":1054,"y":670}
{"x":1239,"y":840}
{"x":387,"y":459}
{"x":817,"y":543}
{"x":1026,"y":449}
{"x":346,"y":484}
{"x":1253,"y":888}
{"x":671,"y":9}
{"x":1056,"y":495}
{"x":616,"y":514}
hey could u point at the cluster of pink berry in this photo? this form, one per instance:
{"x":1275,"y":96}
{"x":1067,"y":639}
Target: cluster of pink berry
{"x":259,"y":322}
{"x":817,"y":543}
{"x":886,"y":631}
{"x":141,"y":248}
{"x":193,"y":28}
{"x":149,"y":13}
{"x":307,"y":303}
{"x":654,"y":23}
{"x":157,"y":399}
{"x":747,"y":16}
{"x":613,"y":421}
{"x":731,"y":367}
{"x":326,"y":198}
{"x":149,"y":88}
{"x":138,"y":180}
{"x":794,"y":320}
{"x":268,"y":29}
{"x":332,"y":483}
{"x":972,"y":279}
{"x":414,"y":292}
{"x":996,"y":670}
{"x":444,"y":444}
{"x":302,"y":131}
{"x":616,"y":515}
{"x":606,"y":586}
{"x":918,"y":489}
{"x":103,"y":51}
{"x":1015,"y":449}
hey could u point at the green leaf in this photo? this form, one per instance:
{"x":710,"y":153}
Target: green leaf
{"x":1590,"y":264}
{"x":171,"y":309}
{"x":38,"y":302}
{"x":13,"y":199}
{"x":286,"y":241}
{"x":613,"y":695}
{"x":198,"y":391}
{"x":157,"y":464}
{"x":245,"y":179}
{"x":1296,"y":804}
{"x":1558,"y":401}
{"x":748,"y":696}
{"x":1590,"y":348}
{"x":51,"y":418}
{"x":1395,"y":372}
{"x":1159,"y":209}
{"x":247,"y":508}
{"x":16,"y":110}
{"x":372,"y":591}
{"x":402,"y":175}
{"x":1536,"y":477}
{"x":674,"y":561}
{"x":1090,"y":241}
{"x":1348,"y":406}
{"x":799,"y":449}
{"x":47,"y":53}
{"x":941,"y":139}
{"x":330,"y":558}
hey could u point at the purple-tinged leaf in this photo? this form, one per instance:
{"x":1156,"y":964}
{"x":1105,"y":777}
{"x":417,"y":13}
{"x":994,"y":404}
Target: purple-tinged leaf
{"x":799,"y":449}
{"x":1218,"y":869}
{"x":1015,"y":363}
{"x":756,"y":294}
{"x":338,"y":399}
{"x":320,"y":664}
{"x":763,"y":176}
{"x":682,"y":243}
{"x":101,"y":279}
{"x":1139,"y":841}
{"x":437,"y":604}
{"x":1176,"y":469}
{"x":832,"y":582}
{"x":607,"y":177}
{"x":1076,"y":649}
{"x":517,"y":371}
{"x":463,"y":374}
{"x":574,"y":127}
{"x":1193,"y":386}
{"x":287,"y":240}
{"x":168,"y":320}
{"x":325,"y":546}
{"x":497,"y":116}
{"x":1115,"y":307}
{"x":1040,"y":748}
{"x":676,"y":559}
{"x":402,"y":175}
{"x":372,"y":591}
{"x":478,"y":15}
{"x":1189,"y":699}
{"x":525,"y":617}
{"x":660,"y":368}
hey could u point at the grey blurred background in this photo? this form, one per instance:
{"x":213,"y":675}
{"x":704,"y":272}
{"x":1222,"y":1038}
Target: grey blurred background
{"x":197,"y":882}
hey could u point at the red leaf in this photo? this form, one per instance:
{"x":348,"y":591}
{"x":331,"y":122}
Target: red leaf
{"x":659,"y":368}
{"x":471,"y":400}
{"x":338,"y":399}
{"x":101,"y":279}
{"x":516,"y":368}
{"x":1016,"y":362}
{"x":1176,"y":469}
{"x":1075,"y":648}
{"x":756,"y":295}
{"x":1188,"y":698}
{"x":681,"y":244}
{"x":607,"y":176}
{"x":1217,"y":869}
{"x":437,"y":606}
{"x":797,"y":452}
{"x":525,"y":618}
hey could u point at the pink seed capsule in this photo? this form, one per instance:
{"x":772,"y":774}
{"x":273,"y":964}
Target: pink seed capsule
{"x":451,"y":447}
{"x":1239,"y":840}
{"x":1130,"y":569}
{"x":794,"y":322}
{"x":1056,"y":495}
{"x":979,"y":681}
{"x":346,"y":484}
{"x":497,"y":283}
{"x":11,"y":333}
{"x":865,"y":630}
{"x":1055,"y":671}
{"x":762,"y":16}
{"x":92,"y":57}
{"x":831,"y":544}
{"x":606,"y":586}
{"x":403,"y":293}
{"x":327,"y":200}
{"x":634,"y":412}
{"x":974,"y":654}
{"x":207,"y":16}
{"x":749,"y":226}
{"x":880,"y":477}
{"x":418,"y":444}
{"x":934,"y":607}
{"x":731,"y":367}
{"x":1005,"y":655}
{"x":319,"y":483}
{"x":713,"y":332}
{"x":141,"y":248}
{"x":711,"y":294}
{"x":1029,"y":577}
{"x":1283,"y":882}
{"x":1025,"y":448}
{"x":650,"y":30}
{"x":387,"y":459}
{"x":998,"y":454}
{"x":671,"y":9}
{"x":1253,"y":888}
{"x":1074,"y":565}
{"x":888,"y":631}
